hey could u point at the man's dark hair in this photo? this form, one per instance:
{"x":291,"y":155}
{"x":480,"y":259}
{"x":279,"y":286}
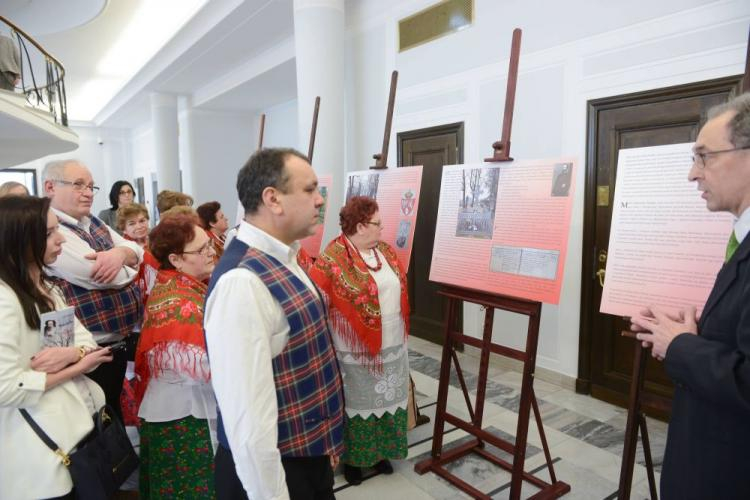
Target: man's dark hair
{"x":265,"y":168}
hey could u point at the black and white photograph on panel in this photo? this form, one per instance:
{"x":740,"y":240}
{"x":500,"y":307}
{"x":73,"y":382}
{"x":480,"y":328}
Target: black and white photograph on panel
{"x":476,"y":210}
{"x":362,"y":185}
{"x":561,"y":179}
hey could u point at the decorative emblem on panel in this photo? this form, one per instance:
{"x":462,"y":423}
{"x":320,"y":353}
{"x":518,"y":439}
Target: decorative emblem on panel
{"x":407,"y":202}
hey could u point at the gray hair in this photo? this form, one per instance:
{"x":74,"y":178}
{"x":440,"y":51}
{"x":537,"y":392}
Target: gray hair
{"x":739,"y":124}
{"x":55,"y":170}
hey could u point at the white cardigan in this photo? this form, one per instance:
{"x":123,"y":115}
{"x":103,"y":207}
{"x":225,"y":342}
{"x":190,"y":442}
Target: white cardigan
{"x":28,"y":469}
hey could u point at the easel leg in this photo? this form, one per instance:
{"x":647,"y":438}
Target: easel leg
{"x":524,"y":407}
{"x":543,"y":437}
{"x":445,"y":372}
{"x":631,"y":428}
{"x":484,"y":364}
{"x":647,"y":457}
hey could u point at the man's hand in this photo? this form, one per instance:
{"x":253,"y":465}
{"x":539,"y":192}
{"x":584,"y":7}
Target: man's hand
{"x":657,"y":328}
{"x":107,"y":265}
{"x":334,"y":461}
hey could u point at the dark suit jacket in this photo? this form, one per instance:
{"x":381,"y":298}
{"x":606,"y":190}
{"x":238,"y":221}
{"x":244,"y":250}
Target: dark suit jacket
{"x":708,"y":444}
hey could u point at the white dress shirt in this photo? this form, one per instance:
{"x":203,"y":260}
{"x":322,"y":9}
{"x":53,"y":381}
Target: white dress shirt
{"x":245,"y":329}
{"x":742,"y":225}
{"x":73,"y":266}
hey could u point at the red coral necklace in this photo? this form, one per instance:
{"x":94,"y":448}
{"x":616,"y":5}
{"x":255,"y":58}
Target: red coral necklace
{"x":379,"y":264}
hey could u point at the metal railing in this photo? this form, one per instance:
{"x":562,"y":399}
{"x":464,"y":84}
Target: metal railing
{"x":40,"y":76}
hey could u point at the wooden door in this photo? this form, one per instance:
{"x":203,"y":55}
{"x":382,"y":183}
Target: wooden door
{"x":665,"y":116}
{"x":432,"y":148}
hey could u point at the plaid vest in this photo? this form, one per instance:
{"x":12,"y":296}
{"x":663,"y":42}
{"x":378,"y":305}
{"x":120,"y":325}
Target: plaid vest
{"x":113,"y":310}
{"x":309,"y":390}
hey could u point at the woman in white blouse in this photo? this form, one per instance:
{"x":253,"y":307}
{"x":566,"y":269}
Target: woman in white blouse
{"x":46,"y":381}
{"x":177,"y":405}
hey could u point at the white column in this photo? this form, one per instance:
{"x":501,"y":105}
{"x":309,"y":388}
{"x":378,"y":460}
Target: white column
{"x":319,"y":46}
{"x":166,"y":144}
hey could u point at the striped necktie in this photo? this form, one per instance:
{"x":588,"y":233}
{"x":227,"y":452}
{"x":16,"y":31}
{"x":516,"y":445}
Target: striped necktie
{"x":732,"y":245}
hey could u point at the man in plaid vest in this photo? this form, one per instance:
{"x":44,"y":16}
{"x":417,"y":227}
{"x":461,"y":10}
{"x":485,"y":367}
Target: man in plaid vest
{"x":95,"y":270}
{"x":273,"y":365}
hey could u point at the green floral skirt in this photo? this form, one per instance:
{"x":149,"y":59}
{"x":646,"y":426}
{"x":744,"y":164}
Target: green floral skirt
{"x":177,"y":460}
{"x":368,"y":441}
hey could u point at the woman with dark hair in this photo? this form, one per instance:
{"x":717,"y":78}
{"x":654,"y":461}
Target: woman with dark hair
{"x":47,"y":382}
{"x":173,"y":378}
{"x":213,"y":220}
{"x":121,"y":195}
{"x":365,"y":288}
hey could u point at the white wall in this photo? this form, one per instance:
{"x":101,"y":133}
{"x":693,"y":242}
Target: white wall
{"x":571,"y":52}
{"x":281,"y":127}
{"x":106,"y":152}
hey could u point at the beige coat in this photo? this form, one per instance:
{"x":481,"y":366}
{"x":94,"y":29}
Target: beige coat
{"x":28,"y":469}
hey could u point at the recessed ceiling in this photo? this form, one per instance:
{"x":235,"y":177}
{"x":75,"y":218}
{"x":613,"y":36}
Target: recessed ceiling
{"x":45,"y":17}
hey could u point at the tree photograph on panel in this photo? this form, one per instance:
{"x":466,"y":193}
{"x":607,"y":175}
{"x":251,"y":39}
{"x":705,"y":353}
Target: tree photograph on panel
{"x":362,"y":185}
{"x":476,"y":210}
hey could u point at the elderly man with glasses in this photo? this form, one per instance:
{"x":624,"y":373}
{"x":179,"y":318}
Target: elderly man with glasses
{"x":708,"y":358}
{"x":96,"y":269}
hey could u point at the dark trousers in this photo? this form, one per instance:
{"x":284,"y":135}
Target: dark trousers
{"x":307,"y":478}
{"x":110,"y":377}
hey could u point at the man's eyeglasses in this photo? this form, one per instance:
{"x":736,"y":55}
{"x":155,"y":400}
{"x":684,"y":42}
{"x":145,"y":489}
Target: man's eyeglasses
{"x":700,"y":158}
{"x":378,"y":223}
{"x":79,"y":186}
{"x":205,"y":250}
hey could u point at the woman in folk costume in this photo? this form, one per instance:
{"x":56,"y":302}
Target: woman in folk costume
{"x":365,"y":288}
{"x":173,"y":388}
{"x":213,"y":220}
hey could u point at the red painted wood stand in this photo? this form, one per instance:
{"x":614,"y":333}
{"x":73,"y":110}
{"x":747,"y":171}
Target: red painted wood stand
{"x":440,"y":457}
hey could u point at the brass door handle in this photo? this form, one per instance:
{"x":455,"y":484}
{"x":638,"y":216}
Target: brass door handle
{"x":600,"y":273}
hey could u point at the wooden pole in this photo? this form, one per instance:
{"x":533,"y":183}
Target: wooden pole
{"x":262,"y":128}
{"x":313,"y":129}
{"x":746,"y":79}
{"x":502,"y":147}
{"x":381,"y":159}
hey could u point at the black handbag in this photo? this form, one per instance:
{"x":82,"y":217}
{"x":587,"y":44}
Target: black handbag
{"x":102,"y":461}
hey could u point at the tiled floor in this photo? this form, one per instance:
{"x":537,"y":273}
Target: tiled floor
{"x":585,"y":438}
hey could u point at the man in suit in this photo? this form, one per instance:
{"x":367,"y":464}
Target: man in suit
{"x":707,"y":358}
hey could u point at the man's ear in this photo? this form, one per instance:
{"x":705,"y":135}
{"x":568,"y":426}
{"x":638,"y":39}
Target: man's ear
{"x":49,"y":188}
{"x":270,"y":198}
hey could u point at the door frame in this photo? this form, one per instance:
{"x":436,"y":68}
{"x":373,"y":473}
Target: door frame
{"x":456,"y":128}
{"x":588,"y":259}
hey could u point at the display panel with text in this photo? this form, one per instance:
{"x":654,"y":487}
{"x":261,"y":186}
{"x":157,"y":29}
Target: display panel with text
{"x":397,"y":192}
{"x":665,"y":247}
{"x":503,"y":227}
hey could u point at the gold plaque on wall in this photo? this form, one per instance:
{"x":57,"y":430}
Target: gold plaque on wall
{"x":433,"y":22}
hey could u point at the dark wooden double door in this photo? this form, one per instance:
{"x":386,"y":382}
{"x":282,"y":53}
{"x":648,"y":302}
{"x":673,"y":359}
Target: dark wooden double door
{"x":665,"y":116}
{"x":432,"y":148}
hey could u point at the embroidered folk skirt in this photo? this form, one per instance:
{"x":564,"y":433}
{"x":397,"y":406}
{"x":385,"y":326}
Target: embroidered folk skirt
{"x":176,"y":460}
{"x":368,"y":441}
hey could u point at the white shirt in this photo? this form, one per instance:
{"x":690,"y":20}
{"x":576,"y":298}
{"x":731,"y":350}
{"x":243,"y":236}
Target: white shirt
{"x":73,"y":267}
{"x":245,"y":329}
{"x":742,"y":225}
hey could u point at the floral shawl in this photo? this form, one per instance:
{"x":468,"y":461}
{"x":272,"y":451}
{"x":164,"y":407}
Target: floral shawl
{"x":352,"y":295}
{"x":174,"y":315}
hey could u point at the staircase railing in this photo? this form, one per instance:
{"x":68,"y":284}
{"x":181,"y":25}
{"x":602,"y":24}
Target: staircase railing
{"x":41,"y":76}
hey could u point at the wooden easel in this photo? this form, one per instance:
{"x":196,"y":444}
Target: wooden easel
{"x":262,"y":129}
{"x":456,"y":296}
{"x":381,"y":159}
{"x":636,"y":421}
{"x":636,"y":418}
{"x":313,"y":130}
